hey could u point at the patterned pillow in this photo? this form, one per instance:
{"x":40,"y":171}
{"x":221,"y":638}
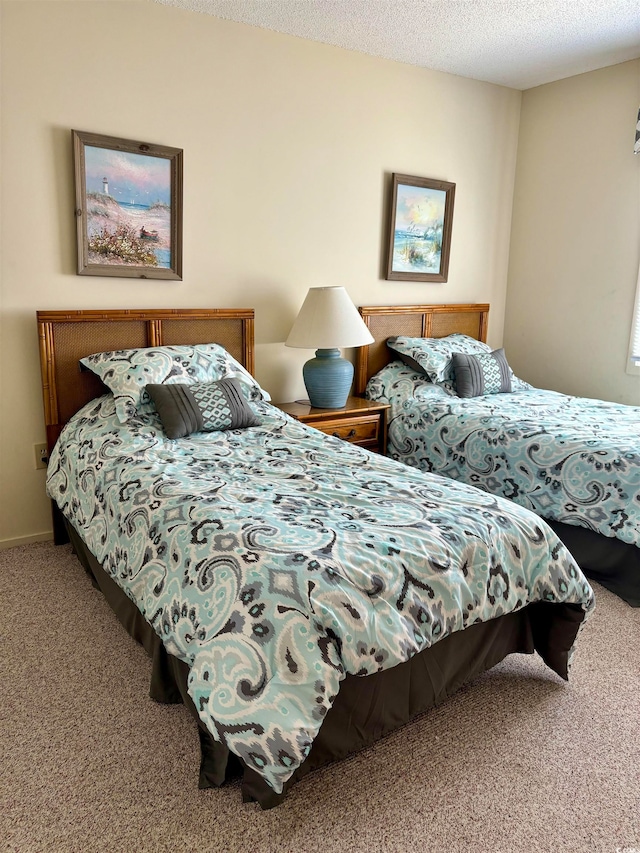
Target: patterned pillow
{"x":126,"y":373}
{"x":397,"y":381}
{"x":433,"y":355}
{"x":477,"y":375}
{"x":201,"y":407}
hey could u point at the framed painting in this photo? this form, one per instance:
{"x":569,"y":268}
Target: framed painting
{"x":128,"y":207}
{"x":420,"y":229}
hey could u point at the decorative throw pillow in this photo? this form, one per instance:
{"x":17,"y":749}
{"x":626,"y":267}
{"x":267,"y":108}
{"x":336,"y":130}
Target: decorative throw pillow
{"x":126,"y":373}
{"x":433,"y":355}
{"x":477,"y":375}
{"x":201,"y":407}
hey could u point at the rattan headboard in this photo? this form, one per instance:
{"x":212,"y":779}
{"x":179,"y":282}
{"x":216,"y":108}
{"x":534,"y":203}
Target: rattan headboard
{"x":67,"y":336}
{"x":416,"y":321}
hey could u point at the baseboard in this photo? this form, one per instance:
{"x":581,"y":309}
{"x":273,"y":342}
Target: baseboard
{"x":26,"y":540}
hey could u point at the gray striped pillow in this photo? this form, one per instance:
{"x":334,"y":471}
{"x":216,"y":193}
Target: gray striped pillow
{"x":477,"y":375}
{"x":201,"y":407}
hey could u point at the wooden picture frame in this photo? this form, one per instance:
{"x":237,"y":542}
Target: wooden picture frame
{"x":128,"y":198}
{"x":420,"y":229}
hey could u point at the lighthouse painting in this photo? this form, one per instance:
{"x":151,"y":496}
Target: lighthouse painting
{"x":128,"y":207}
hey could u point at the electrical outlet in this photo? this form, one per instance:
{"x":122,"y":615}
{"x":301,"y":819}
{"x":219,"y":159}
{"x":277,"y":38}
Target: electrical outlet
{"x":41,"y":454}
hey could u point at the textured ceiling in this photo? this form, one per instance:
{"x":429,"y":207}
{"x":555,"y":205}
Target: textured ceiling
{"x":516,"y":43}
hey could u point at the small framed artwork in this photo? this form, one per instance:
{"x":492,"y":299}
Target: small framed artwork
{"x":420,"y":229}
{"x":128,"y":207}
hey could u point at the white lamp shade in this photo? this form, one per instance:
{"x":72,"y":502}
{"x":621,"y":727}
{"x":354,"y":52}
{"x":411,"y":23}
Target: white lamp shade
{"x":328,"y":319}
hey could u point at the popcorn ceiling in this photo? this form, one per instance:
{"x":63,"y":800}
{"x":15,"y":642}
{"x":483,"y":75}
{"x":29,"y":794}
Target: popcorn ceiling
{"x":515,"y":43}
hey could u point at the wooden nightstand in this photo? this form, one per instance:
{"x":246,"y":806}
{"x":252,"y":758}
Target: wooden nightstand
{"x":360,"y":422}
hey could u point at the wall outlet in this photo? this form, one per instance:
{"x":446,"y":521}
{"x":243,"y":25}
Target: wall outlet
{"x":41,"y":455}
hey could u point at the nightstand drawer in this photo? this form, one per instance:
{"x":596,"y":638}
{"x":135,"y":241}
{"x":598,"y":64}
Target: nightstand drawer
{"x":362,"y":422}
{"x":355,"y":430}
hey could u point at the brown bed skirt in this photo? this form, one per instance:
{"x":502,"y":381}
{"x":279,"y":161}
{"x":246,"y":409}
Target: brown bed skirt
{"x":366,"y":708}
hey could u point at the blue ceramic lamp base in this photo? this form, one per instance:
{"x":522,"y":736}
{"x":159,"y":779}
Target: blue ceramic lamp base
{"x":328,"y":378}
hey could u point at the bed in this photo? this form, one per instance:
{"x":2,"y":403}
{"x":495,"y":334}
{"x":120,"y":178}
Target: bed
{"x":302,"y":596}
{"x":572,"y":460}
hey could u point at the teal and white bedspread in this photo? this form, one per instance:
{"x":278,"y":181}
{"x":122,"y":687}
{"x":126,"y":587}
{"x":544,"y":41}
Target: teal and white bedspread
{"x":569,"y":459}
{"x":275,"y":559}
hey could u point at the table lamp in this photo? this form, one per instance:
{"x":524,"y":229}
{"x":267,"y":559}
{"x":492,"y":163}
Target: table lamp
{"x":327,"y":321}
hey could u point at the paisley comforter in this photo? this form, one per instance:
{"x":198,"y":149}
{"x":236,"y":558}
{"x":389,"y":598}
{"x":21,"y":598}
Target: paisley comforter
{"x":275,"y":559}
{"x":569,"y":459}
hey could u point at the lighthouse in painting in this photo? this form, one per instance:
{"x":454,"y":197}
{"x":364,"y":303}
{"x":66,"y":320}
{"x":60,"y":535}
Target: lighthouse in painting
{"x":105,"y":186}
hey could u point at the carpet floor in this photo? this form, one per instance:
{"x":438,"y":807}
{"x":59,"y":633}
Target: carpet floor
{"x":517,"y":760}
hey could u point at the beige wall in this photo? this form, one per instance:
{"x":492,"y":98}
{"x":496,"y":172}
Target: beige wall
{"x":574,"y":244}
{"x":288,"y":146}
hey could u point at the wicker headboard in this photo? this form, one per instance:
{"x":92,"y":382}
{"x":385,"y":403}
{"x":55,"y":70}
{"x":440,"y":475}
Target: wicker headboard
{"x":416,"y":321}
{"x":67,"y":336}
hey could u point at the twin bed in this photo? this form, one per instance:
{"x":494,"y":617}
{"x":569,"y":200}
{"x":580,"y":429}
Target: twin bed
{"x":302,"y":596}
{"x":573,"y":461}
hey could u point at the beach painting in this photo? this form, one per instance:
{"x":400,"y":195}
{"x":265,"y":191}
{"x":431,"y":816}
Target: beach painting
{"x":128,"y":207}
{"x":420,"y":229}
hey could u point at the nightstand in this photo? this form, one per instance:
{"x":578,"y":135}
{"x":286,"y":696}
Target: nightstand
{"x":360,"y":421}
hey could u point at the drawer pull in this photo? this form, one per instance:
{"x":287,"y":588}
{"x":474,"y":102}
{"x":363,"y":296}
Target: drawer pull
{"x":350,"y":434}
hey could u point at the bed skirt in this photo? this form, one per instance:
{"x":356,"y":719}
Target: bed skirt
{"x":610,"y":562}
{"x":366,"y":708}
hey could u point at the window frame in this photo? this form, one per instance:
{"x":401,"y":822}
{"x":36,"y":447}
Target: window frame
{"x":633,"y":358}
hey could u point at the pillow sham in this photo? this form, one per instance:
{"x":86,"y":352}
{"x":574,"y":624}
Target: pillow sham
{"x":480,"y":375}
{"x":433,"y":355}
{"x":126,"y":373}
{"x":397,"y":381}
{"x":201,"y":407}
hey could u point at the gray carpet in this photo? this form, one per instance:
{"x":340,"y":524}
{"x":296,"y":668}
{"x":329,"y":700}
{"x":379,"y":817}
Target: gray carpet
{"x":517,"y":761}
